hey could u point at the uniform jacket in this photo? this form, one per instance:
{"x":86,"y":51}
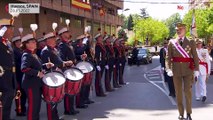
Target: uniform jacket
{"x":204,"y":57}
{"x":79,"y":50}
{"x":123,"y":54}
{"x":182,"y":68}
{"x":110,"y":54}
{"x":30,"y":66}
{"x":66,"y":51}
{"x":17,"y":55}
{"x":117,"y":54}
{"x":162,"y":56}
{"x":7,"y":65}
{"x":100,"y":54}
{"x":49,"y":54}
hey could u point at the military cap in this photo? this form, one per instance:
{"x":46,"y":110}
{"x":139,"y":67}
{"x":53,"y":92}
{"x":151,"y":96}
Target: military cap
{"x":199,"y":41}
{"x":63,"y":30}
{"x":40,"y":39}
{"x":180,"y":25}
{"x":14,"y":39}
{"x":27,"y":38}
{"x":96,"y":36}
{"x":106,"y":37}
{"x":80,"y":37}
{"x":49,"y":35}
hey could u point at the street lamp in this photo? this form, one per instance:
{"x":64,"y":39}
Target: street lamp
{"x":125,"y":10}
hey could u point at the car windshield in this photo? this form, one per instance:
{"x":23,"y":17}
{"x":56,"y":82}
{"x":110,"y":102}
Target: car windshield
{"x":142,"y":51}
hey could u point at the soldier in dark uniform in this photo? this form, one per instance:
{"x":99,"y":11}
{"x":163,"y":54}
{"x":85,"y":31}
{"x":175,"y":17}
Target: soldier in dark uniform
{"x":100,"y":55}
{"x":122,"y":61}
{"x":7,"y":67}
{"x":116,"y":65}
{"x":32,"y":69}
{"x":81,"y":55}
{"x":50,"y":54}
{"x":90,"y":53}
{"x":19,"y":100}
{"x":168,"y":79}
{"x":66,"y":52}
{"x":109,"y":63}
{"x":41,"y":45}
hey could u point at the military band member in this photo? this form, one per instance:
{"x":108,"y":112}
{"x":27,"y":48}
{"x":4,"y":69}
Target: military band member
{"x":116,"y":65}
{"x":51,"y":54}
{"x":80,"y":52}
{"x":21,"y":99}
{"x":7,"y":67}
{"x":122,"y":61}
{"x":204,"y":71}
{"x":41,"y":44}
{"x":32,"y":82}
{"x":109,"y":63}
{"x":181,"y":62}
{"x":168,"y":79}
{"x":100,"y":55}
{"x":66,"y":53}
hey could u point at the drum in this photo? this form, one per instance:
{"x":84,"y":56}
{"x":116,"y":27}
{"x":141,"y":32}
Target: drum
{"x":73,"y":83}
{"x":85,"y":67}
{"x":53,"y":88}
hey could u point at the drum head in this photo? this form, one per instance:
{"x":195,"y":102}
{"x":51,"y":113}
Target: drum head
{"x":54,"y":79}
{"x":73,"y":74}
{"x":85,"y":67}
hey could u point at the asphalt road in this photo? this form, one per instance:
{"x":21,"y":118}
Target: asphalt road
{"x":145,"y":97}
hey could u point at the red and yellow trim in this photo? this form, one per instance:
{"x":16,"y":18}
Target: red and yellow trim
{"x":80,"y":4}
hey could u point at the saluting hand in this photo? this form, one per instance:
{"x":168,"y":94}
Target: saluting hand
{"x":84,"y":56}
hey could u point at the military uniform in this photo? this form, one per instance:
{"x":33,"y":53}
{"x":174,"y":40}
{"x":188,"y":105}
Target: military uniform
{"x":20,"y":101}
{"x":204,"y":72}
{"x":182,"y":69}
{"x":168,"y":79}
{"x":7,"y":71}
{"x":122,"y":64}
{"x":50,"y":54}
{"x":116,"y":66}
{"x":109,"y":65}
{"x":100,"y":59}
{"x":66,"y":52}
{"x":31,"y":66}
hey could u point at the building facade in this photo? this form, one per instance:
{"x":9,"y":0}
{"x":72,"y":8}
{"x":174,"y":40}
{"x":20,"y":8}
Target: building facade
{"x":95,"y":13}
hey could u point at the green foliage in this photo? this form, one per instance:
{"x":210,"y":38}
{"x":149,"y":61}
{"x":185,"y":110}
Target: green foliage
{"x":130,"y":23}
{"x":122,"y":34}
{"x":170,"y":23}
{"x":152,"y":29}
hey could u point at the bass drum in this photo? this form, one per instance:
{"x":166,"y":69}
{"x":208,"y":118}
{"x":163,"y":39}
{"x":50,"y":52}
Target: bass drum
{"x":53,"y":88}
{"x":73,"y":80}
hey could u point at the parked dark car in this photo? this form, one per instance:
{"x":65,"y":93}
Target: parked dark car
{"x":141,"y":55}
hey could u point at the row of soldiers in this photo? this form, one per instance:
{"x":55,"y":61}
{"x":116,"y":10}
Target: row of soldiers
{"x":25,"y":58}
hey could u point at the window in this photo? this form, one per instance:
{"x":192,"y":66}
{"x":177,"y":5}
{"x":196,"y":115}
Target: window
{"x":28,"y":19}
{"x":63,"y":18}
{"x":77,"y":23}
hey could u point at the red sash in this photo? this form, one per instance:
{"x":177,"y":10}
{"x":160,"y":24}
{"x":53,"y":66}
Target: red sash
{"x":181,"y":59}
{"x":205,"y":65}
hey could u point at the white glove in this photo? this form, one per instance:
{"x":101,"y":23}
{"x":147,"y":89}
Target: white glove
{"x":120,"y":64}
{"x":107,"y":67}
{"x":98,"y":68}
{"x":162,"y":68}
{"x":114,"y":66}
{"x":196,"y":73}
{"x":169,"y":72}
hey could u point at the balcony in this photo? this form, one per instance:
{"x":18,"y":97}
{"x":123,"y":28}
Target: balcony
{"x":118,"y":4}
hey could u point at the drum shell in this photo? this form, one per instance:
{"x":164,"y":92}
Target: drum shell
{"x":87,"y":79}
{"x":53,"y":94}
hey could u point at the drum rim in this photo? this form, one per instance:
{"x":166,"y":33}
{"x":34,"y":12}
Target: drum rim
{"x":57,"y":72}
{"x":76,"y":69}
{"x":86,"y":62}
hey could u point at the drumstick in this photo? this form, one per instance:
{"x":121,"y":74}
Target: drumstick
{"x":50,"y":62}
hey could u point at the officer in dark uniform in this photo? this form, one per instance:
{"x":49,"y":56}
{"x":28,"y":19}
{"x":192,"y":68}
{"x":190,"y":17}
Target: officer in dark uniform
{"x":168,"y":79}
{"x":66,"y":52}
{"x":21,"y":99}
{"x":7,"y":67}
{"x":122,"y":61}
{"x":50,"y":54}
{"x":90,"y":53}
{"x":100,"y":56}
{"x":116,"y":65}
{"x":80,"y":52}
{"x":109,"y":63}
{"x":32,"y":69}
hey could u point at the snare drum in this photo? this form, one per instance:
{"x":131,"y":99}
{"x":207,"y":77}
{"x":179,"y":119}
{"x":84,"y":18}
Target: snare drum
{"x":87,"y":69}
{"x":73,"y":83}
{"x":53,"y":88}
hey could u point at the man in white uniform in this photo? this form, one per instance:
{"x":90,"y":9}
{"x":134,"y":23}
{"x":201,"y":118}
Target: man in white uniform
{"x":204,"y":71}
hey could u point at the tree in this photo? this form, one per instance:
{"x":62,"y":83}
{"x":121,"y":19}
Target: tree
{"x":144,"y":13}
{"x":122,"y":34}
{"x":170,"y":23}
{"x":130,"y":23}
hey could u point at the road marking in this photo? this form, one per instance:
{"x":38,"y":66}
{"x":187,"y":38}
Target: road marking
{"x":154,"y":77}
{"x":165,"y":89}
{"x":153,"y":74}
